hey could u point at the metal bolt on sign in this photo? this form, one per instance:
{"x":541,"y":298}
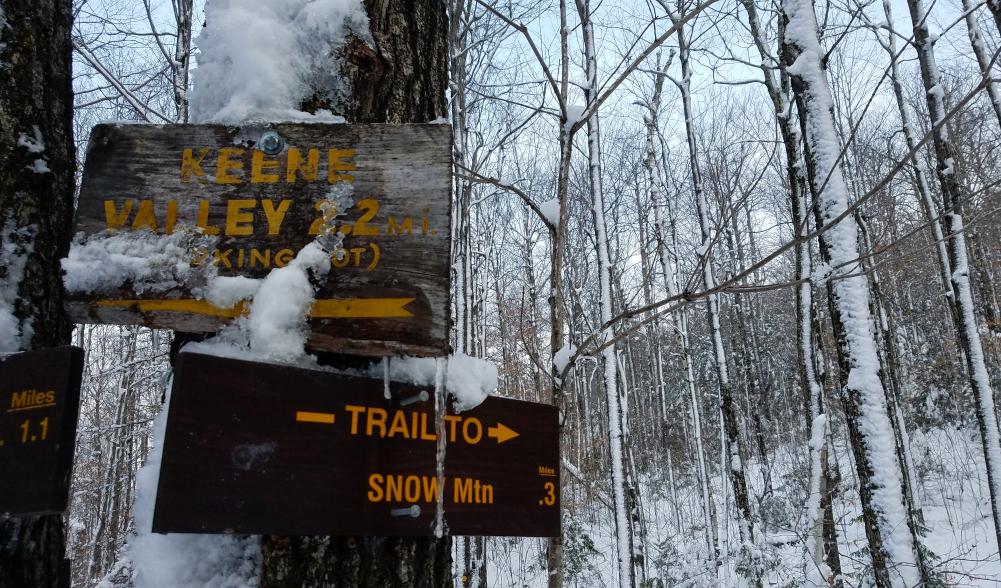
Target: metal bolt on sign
{"x":412,"y":511}
{"x":271,"y":143}
{"x":422,"y":397}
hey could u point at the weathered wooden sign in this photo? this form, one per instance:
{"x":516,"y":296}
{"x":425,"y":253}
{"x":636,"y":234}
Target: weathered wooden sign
{"x":257,"y":448}
{"x":39,"y":399}
{"x":259,"y":194}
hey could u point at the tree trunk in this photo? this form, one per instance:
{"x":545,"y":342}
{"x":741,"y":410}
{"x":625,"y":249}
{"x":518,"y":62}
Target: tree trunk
{"x":892,"y":543}
{"x":401,"y":80}
{"x":925,"y":197}
{"x":37,"y":165}
{"x":621,"y":489}
{"x":734,"y":466}
{"x":181,"y":66}
{"x":954,"y":196}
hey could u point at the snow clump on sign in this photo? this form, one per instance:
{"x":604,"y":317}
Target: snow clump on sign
{"x":146,"y":261}
{"x":468,"y":379}
{"x":228,"y":291}
{"x":275,"y":328}
{"x":258,"y":60}
{"x":277,"y":321}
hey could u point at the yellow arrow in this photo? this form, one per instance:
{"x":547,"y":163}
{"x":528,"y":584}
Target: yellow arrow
{"x":360,"y":308}
{"x":305,"y":416}
{"x":326,"y":308}
{"x":187,"y":306}
{"x":501,"y":433}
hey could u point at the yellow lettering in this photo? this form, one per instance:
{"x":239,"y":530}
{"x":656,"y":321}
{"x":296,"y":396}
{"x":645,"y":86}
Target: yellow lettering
{"x":430,"y":489}
{"x":220,"y":257}
{"x":452,"y":420}
{"x":376,"y":418}
{"x":397,"y":229}
{"x":275,"y":216}
{"x":256,"y":256}
{"x":145,"y":218}
{"x":412,"y":488}
{"x":283,"y":257}
{"x":113,"y":218}
{"x":425,"y":434}
{"x":394,"y":488}
{"x":470,"y":438}
{"x":309,"y":170}
{"x":257,"y":167}
{"x":328,"y":212}
{"x":191,"y":165}
{"x":550,"y":498}
{"x":224,"y":164}
{"x":362,"y":228}
{"x":357,"y":251}
{"x":399,"y":425}
{"x":355,"y":411}
{"x":171,"y":217}
{"x":375,"y":488}
{"x":238,"y":222}
{"x":375,"y":257}
{"x":19,"y":399}
{"x":462,"y":490}
{"x":203,"y":219}
{"x":50,"y":396}
{"x":339,"y":258}
{"x":336,"y":165}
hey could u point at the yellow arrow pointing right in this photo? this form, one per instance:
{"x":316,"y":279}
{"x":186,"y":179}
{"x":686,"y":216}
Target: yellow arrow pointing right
{"x":501,"y":433}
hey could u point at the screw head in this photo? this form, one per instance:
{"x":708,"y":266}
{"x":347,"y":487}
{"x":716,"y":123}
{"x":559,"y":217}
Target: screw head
{"x":271,"y":143}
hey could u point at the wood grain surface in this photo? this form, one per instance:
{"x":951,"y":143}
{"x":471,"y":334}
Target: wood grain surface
{"x":39,"y":398}
{"x":384,"y":188}
{"x":259,"y":448}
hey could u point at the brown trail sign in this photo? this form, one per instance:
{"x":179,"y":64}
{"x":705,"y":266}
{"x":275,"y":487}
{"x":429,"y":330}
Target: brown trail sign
{"x":259,"y":448}
{"x":262,"y":193}
{"x":39,"y":399}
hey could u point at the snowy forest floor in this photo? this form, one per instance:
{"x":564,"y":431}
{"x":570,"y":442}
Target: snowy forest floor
{"x":952,"y":480}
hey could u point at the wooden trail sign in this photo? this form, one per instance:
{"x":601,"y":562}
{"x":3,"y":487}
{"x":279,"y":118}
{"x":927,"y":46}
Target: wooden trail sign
{"x":259,"y":448}
{"x":39,"y":400}
{"x":259,"y":194}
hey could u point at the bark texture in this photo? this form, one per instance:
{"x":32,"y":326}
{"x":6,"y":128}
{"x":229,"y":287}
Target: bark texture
{"x":401,"y":79}
{"x":356,"y":562}
{"x":36,"y":210}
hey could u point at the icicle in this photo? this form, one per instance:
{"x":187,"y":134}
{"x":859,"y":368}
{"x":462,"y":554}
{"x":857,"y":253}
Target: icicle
{"x":385,"y":378}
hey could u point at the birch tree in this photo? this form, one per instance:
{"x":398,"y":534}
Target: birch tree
{"x":734,"y":443}
{"x":616,"y":410}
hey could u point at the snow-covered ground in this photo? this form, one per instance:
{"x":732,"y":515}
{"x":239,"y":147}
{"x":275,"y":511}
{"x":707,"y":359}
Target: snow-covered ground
{"x":953,"y":492}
